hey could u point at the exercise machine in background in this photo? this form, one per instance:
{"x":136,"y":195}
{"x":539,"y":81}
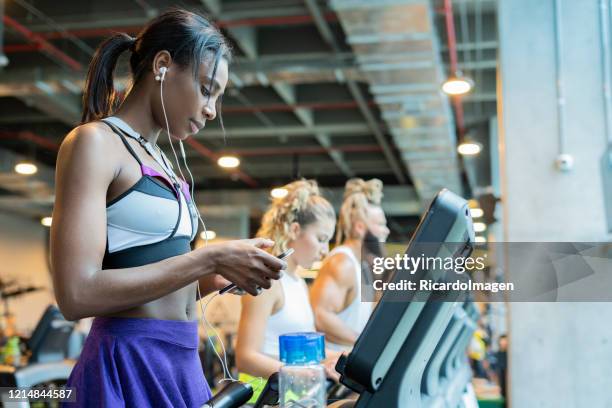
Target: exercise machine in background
{"x":48,"y":361}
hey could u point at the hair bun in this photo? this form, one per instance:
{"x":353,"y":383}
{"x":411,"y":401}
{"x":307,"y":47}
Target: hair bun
{"x":372,"y":189}
{"x":302,"y":204}
{"x":298,"y":193}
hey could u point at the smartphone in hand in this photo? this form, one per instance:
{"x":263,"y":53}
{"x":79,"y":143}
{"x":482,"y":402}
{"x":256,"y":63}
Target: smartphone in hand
{"x":235,"y":290}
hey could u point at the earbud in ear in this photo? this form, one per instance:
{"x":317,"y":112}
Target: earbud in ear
{"x":163,"y":71}
{"x":182,"y":150}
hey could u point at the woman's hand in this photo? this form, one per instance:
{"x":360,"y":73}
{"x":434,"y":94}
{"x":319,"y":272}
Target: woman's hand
{"x":329,"y":364}
{"x":245,"y":263}
{"x":212,"y":283}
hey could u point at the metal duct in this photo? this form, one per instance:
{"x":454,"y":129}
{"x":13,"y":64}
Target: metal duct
{"x":398,"y":51}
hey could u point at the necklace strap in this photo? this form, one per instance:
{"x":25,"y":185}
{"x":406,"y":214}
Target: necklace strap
{"x":158,"y":156}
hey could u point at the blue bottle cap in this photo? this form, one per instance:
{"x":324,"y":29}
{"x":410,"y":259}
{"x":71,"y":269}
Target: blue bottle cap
{"x":301,"y":348}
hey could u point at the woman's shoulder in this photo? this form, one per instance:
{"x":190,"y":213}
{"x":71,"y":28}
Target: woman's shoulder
{"x":340,"y":258}
{"x":340,"y":266}
{"x":89,"y":147}
{"x":91,"y":135}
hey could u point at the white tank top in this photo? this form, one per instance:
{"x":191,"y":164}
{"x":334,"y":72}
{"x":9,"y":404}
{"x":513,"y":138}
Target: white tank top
{"x":356,"y":314}
{"x":295,"y":316}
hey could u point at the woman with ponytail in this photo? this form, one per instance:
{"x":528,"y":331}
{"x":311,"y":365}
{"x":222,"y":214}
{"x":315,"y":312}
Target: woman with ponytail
{"x":124,"y":220}
{"x":336,"y":292}
{"x":302,"y":220}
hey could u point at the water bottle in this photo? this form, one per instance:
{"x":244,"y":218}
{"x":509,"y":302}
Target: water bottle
{"x":302,"y":381}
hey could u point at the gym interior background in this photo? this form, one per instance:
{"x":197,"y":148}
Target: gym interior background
{"x":341,"y":88}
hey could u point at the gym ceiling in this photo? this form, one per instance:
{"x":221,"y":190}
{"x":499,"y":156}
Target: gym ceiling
{"x":318,"y":89}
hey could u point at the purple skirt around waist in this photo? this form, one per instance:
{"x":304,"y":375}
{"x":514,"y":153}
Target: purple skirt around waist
{"x":130,"y":362}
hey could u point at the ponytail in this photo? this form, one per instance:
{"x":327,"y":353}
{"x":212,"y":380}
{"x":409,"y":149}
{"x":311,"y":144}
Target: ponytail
{"x":99,"y":98}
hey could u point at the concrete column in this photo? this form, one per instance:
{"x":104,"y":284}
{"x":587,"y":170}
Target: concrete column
{"x":559,"y":353}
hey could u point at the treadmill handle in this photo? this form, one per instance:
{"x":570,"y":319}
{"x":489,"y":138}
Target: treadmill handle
{"x":234,"y":395}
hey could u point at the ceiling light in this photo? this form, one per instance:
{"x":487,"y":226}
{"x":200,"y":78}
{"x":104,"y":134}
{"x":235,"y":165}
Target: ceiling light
{"x":26,"y":168}
{"x":279,"y":192}
{"x":208,"y":234}
{"x":479,"y":226}
{"x":228,"y":161}
{"x":469,"y":148}
{"x":46,"y":221}
{"x":457,"y":85}
{"x":476,"y":212}
{"x":480,"y":239}
{"x":4,"y":61}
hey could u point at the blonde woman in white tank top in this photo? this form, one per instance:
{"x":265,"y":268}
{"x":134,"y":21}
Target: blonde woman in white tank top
{"x":302,"y":220}
{"x":336,"y":293}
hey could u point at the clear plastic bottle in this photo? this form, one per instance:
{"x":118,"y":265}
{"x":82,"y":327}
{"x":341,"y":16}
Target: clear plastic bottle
{"x":302,"y":381}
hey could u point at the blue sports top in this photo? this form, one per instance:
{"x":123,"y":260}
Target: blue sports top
{"x":154,"y":219}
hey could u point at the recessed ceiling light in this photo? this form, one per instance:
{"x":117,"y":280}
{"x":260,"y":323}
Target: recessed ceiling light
{"x":279,"y":192}
{"x":26,"y":168}
{"x":228,"y":161}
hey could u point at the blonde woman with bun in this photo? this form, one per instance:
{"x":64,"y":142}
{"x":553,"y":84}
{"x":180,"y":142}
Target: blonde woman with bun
{"x":302,"y":220}
{"x":336,"y":293}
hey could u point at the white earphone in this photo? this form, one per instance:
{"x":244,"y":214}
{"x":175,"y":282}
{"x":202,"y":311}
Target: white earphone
{"x":227,"y":375}
{"x":163,"y":71}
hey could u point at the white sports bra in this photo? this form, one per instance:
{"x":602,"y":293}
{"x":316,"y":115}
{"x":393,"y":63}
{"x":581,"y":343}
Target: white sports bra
{"x":154,"y":219}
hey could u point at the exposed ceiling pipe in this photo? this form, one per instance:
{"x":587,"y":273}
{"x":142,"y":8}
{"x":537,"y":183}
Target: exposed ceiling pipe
{"x":31,"y":137}
{"x":13,"y":48}
{"x":606,"y":48}
{"x":213,"y":156}
{"x":285,"y":20}
{"x":452,"y":52}
{"x":3,"y":58}
{"x":249,"y":22}
{"x":288,"y":108}
{"x":41,"y":43}
{"x":48,"y":48}
{"x":91,"y":32}
{"x":284,"y":151}
{"x":479,"y":42}
{"x":51,"y":23}
{"x":465,"y":36}
{"x":560,"y":78}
